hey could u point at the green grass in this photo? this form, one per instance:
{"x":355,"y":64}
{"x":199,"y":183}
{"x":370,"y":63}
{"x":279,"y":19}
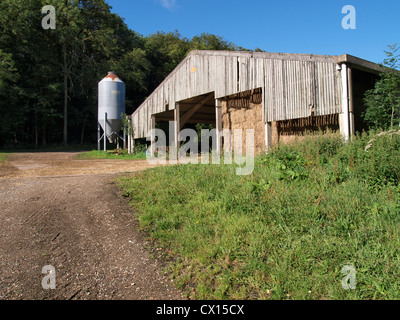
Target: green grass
{"x":3,"y":157}
{"x":94,"y":154}
{"x":284,"y":232}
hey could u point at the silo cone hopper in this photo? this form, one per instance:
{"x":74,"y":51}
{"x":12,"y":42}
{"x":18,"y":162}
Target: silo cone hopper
{"x":111,"y":106}
{"x":112,"y":126}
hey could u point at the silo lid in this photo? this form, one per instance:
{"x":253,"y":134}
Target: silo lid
{"x":111,"y":76}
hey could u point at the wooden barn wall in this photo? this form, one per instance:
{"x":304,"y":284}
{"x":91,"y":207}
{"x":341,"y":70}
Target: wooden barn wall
{"x":292,"y":87}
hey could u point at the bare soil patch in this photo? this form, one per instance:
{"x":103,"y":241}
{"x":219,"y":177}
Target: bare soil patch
{"x":64,"y":163}
{"x":68,"y":213}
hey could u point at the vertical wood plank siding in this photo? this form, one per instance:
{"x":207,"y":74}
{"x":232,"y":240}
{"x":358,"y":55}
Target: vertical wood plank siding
{"x":294,"y":84}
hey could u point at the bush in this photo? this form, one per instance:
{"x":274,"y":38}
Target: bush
{"x":379,"y":164}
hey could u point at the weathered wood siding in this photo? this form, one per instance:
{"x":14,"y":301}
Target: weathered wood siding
{"x":293,"y":84}
{"x":294,"y":88}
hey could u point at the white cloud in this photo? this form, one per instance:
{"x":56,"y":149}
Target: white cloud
{"x":168,"y":4}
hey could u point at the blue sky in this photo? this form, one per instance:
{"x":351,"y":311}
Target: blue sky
{"x":290,"y":26}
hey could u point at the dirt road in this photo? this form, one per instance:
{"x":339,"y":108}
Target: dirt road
{"x":65,"y":213}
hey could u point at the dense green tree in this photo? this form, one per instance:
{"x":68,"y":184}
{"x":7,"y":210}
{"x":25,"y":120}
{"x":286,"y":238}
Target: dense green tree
{"x":49,"y":77}
{"x":58,"y":69}
{"x":35,"y":85}
{"x":9,"y":120}
{"x":206,"y":41}
{"x":164,"y":51}
{"x":91,"y":39}
{"x":134,"y":68}
{"x":383,"y":101}
{"x":7,"y":70}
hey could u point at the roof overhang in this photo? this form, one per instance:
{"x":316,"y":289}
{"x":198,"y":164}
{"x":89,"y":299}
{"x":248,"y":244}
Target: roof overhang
{"x":360,"y":64}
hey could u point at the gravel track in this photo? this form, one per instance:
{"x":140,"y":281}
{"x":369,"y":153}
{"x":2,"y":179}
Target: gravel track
{"x":67,"y":213}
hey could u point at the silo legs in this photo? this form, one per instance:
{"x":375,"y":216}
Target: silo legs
{"x":105,"y":131}
{"x":98,"y":136}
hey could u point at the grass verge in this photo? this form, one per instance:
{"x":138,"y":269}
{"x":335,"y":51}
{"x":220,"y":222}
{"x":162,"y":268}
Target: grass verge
{"x":285,"y":231}
{"x":3,"y":157}
{"x":123,"y":155}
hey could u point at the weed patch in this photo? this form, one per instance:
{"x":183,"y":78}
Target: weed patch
{"x":285,"y":231}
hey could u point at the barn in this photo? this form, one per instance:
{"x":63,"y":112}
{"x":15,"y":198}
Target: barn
{"x":278,"y":95}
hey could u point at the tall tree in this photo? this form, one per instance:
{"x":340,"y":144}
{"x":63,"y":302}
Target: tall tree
{"x":207,"y":41}
{"x":22,"y":37}
{"x":90,"y":38}
{"x":383,"y":101}
{"x":9,"y":119}
{"x":48,"y":78}
{"x":164,"y":51}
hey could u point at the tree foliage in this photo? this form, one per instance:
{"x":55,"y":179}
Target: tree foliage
{"x":49,"y":78}
{"x":383,"y":101}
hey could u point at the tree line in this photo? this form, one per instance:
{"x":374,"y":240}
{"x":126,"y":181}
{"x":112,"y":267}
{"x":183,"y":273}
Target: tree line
{"x":49,"y":77}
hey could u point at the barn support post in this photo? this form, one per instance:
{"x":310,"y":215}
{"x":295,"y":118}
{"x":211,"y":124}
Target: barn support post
{"x":105,"y":131}
{"x":344,"y":122}
{"x":173,"y":152}
{"x":132,"y":144}
{"x":352,"y":129}
{"x":98,"y":136}
{"x":268,"y":136}
{"x":129,"y":134}
{"x":268,"y":125}
{"x":152,"y":135}
{"x":218,"y":125}
{"x":124,"y":135}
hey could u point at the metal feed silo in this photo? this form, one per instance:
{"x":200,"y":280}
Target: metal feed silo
{"x":111,"y":106}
